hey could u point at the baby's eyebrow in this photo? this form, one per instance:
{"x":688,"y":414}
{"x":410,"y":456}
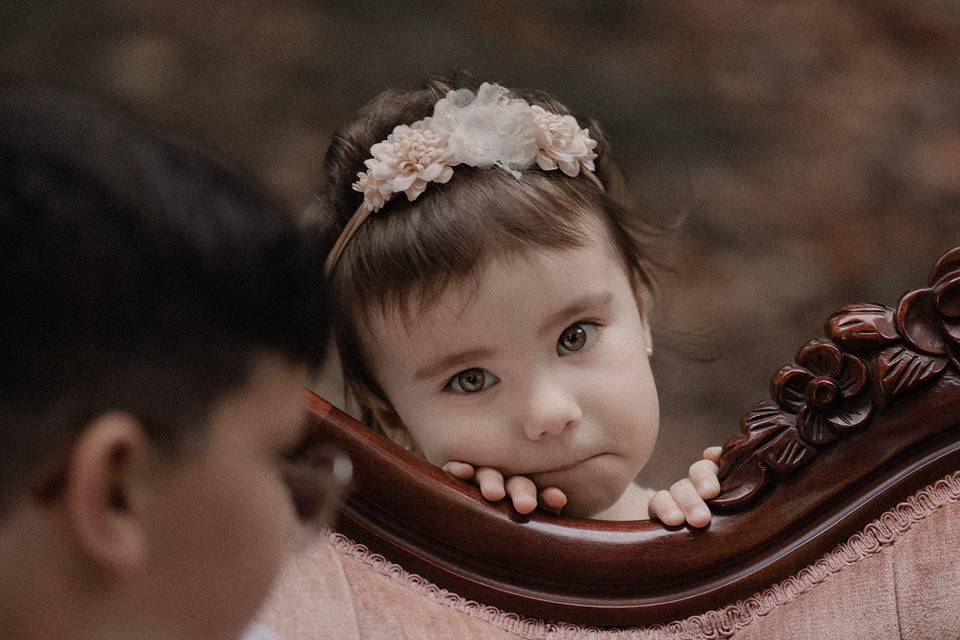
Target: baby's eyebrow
{"x":589,"y":302}
{"x":449,"y":362}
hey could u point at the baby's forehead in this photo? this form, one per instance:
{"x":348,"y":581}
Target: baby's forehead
{"x":448,"y":297}
{"x":442,"y":299}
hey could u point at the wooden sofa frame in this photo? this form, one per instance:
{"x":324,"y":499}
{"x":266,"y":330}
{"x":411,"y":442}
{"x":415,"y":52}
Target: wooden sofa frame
{"x":864,"y":418}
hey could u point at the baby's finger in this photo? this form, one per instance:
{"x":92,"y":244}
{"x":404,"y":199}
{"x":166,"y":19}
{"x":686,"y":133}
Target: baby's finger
{"x":553,"y":498}
{"x":460,"y":470}
{"x":523,"y":493}
{"x":490,"y":482}
{"x":694,"y":509}
{"x":712,"y":453}
{"x":664,"y":508}
{"x":703,"y":475}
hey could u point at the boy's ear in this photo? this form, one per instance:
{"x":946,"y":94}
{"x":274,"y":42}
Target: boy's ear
{"x":644,"y":298}
{"x":104,"y":493}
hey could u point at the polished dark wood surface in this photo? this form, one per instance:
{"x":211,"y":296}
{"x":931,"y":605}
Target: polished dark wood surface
{"x":865,"y":417}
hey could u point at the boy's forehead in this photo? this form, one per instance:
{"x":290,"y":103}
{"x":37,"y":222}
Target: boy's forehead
{"x":268,"y":405}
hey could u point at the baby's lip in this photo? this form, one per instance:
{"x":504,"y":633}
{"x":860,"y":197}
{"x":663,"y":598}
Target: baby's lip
{"x":566,"y":466}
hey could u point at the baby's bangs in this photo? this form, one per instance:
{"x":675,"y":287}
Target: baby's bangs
{"x":406,"y":255}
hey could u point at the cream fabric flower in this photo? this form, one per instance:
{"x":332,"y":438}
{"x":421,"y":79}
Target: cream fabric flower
{"x":489,"y":129}
{"x":562,"y":143}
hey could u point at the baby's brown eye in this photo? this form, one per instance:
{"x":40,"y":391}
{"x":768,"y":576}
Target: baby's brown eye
{"x":575,"y":338}
{"x":472,"y":380}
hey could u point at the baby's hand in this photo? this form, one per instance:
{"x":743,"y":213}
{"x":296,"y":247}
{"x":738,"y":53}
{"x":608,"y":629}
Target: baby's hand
{"x":522,"y":491}
{"x":685,"y":501}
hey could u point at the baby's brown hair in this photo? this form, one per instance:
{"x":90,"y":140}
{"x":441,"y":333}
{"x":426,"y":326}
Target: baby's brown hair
{"x":406,"y":254}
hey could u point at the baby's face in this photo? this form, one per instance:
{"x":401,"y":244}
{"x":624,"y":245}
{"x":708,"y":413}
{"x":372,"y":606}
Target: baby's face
{"x":540,"y":371}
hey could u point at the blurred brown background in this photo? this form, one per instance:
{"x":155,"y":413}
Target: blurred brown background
{"x":814,"y":147}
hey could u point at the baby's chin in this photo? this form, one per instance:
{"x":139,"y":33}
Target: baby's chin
{"x":589,"y":502}
{"x":586,"y":497}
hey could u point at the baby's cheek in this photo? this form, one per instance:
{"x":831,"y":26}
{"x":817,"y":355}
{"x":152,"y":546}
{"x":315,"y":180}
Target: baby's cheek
{"x":438,"y":448}
{"x":634,"y":409}
{"x":470,"y":449}
{"x":445,"y":438}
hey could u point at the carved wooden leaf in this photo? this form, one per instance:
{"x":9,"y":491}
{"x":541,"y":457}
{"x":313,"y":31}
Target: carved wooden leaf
{"x":787,"y":452}
{"x":742,"y":470}
{"x":735,"y":451}
{"x":740,"y":487}
{"x":899,"y":370}
{"x":764,"y":419}
{"x":863,"y":326}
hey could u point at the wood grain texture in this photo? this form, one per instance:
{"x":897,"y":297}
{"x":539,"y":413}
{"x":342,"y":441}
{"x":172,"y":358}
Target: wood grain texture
{"x":865,"y":417}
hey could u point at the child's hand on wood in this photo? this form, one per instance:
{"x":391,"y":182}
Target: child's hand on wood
{"x":685,"y":501}
{"x":494,"y":487}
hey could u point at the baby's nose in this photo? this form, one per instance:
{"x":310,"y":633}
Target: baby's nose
{"x":551,"y":410}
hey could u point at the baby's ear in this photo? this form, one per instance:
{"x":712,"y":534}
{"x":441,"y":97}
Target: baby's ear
{"x":390,"y":422}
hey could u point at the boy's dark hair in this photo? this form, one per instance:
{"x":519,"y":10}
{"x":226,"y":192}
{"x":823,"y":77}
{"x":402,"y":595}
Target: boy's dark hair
{"x":408,"y":252}
{"x":135,"y":274}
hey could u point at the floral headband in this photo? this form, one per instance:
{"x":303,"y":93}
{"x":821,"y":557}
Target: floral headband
{"x":489,"y":129}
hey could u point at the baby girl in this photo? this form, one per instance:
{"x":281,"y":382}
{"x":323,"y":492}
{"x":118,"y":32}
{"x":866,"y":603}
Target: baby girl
{"x":492,"y":296}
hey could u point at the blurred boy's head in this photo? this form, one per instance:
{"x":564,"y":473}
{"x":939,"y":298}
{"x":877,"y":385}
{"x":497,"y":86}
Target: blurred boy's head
{"x":157,"y":329}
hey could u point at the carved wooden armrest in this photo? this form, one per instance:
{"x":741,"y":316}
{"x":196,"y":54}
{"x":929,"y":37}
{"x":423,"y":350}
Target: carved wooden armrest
{"x":865,"y":417}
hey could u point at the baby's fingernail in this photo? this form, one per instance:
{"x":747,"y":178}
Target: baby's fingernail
{"x":523,"y":505}
{"x":553,"y":499}
{"x":546,"y":506}
{"x":493,"y":496}
{"x":459,"y":469}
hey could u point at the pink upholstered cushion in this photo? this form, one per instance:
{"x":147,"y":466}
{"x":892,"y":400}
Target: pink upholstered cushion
{"x":328,"y":593}
{"x":898,"y":577}
{"x":910,"y":590}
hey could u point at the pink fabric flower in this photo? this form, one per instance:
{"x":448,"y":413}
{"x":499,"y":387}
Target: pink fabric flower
{"x":410,"y":158}
{"x":562,"y":143}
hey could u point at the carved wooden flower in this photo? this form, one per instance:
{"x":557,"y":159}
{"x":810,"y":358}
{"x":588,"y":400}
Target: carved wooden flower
{"x":929,"y":319}
{"x":826,"y":391}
